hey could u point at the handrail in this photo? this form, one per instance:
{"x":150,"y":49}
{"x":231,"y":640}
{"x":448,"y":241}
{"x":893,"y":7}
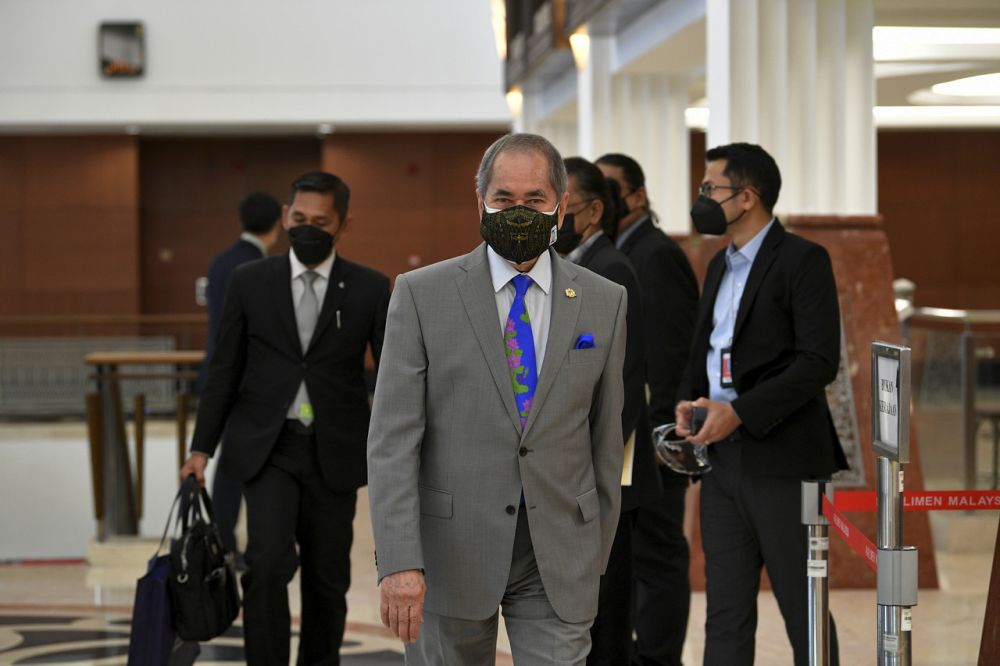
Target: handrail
{"x":956,"y":316}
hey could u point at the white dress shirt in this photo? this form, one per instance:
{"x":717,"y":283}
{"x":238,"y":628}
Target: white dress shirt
{"x":254,"y":239}
{"x":298,"y":291}
{"x":319,"y":284}
{"x":537,"y":299}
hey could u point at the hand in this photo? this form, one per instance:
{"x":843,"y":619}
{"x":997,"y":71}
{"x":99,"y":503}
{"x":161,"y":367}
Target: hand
{"x":196,"y":465}
{"x":682,"y":417}
{"x":402,"y":597}
{"x":722,"y":421}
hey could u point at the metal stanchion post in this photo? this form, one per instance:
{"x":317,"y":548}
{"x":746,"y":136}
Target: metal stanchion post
{"x":897,"y":565}
{"x":817,"y":569}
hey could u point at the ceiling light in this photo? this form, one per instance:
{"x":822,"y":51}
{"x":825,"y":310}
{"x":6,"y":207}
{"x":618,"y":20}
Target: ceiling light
{"x":984,"y":85}
{"x":515,"y":101}
{"x":579,"y":42}
{"x":904,"y":43}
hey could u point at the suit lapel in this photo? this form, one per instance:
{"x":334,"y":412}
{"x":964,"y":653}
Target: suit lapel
{"x":476,"y":290}
{"x":562,"y":324}
{"x":336,"y":290}
{"x":599,"y":244}
{"x":761,"y":264}
{"x":282,"y":285}
{"x":634,"y":238}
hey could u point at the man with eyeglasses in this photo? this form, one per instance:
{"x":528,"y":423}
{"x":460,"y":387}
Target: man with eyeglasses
{"x":495,"y":450}
{"x":766,"y":344}
{"x":660,"y":554}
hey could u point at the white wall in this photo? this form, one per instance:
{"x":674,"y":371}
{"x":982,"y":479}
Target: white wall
{"x":253,"y":63}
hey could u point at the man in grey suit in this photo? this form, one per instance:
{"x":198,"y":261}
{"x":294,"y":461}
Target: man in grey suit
{"x":495,"y":448}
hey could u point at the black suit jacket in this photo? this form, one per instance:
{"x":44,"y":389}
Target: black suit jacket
{"x":786,"y":349}
{"x":604,"y":259}
{"x":669,"y":301}
{"x":219,"y":270}
{"x":258,"y":365}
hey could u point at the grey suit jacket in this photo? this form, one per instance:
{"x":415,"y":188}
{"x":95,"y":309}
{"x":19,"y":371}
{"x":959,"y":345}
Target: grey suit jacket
{"x":447,"y":459}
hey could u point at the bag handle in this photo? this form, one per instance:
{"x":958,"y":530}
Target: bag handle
{"x":181,"y":494}
{"x":195,"y":503}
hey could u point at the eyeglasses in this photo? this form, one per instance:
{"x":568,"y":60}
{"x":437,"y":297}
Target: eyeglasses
{"x":706,"y":189}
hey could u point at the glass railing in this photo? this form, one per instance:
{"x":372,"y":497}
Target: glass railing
{"x":956,"y":392}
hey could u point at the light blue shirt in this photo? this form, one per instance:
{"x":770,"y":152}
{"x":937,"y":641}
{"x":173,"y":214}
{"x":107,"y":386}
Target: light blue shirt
{"x":727,"y":304}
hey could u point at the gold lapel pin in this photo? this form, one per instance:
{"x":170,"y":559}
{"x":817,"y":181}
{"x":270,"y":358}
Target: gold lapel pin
{"x":570,"y":293}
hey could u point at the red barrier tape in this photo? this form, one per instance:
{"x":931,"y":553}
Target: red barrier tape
{"x":930,"y":500}
{"x":858,"y":542}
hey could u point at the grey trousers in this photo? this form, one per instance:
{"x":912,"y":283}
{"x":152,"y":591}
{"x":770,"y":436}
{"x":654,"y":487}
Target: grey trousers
{"x":537,"y":635}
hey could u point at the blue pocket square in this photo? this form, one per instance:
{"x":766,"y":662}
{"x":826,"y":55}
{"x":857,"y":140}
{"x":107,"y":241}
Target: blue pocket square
{"x":585,"y":341}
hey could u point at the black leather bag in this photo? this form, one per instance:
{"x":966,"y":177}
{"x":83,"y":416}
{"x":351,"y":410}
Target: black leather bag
{"x":203,"y":591}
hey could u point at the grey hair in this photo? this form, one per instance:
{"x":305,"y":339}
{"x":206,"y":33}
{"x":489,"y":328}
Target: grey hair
{"x":522,"y":143}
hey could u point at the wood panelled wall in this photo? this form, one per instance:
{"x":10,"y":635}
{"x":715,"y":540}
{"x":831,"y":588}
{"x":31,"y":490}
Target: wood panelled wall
{"x":938,"y":196}
{"x":69,"y":227}
{"x":190,"y":190}
{"x":413,"y":195}
{"x":117,"y":225}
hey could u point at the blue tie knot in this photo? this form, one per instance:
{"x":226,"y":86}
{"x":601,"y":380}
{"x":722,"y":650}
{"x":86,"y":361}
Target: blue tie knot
{"x":521,"y":284}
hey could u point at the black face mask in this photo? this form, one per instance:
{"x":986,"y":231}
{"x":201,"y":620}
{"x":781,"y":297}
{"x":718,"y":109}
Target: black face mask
{"x":519,"y":233}
{"x":708,"y":216}
{"x":310,"y":243}
{"x":568,"y":237}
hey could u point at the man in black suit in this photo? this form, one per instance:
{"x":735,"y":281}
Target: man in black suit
{"x":582,"y":239}
{"x":767,"y":343}
{"x":259,"y":216}
{"x":287,"y":385}
{"x":662,"y":588}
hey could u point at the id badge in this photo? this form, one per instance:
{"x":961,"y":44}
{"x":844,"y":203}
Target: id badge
{"x":726,"y":358}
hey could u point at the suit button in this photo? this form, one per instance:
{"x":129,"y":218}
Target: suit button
{"x":511,"y":510}
{"x":523,"y":451}
{"x":304,"y":365}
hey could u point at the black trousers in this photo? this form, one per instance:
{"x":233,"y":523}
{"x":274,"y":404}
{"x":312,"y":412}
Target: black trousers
{"x":611,"y":633}
{"x":748,"y":522}
{"x":226,"y":495}
{"x":661,"y":587}
{"x":288,"y":503}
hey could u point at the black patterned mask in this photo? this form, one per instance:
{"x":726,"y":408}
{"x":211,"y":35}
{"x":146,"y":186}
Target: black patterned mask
{"x":518,"y":233}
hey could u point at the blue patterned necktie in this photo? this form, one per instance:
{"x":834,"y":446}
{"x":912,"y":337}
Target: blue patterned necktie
{"x":519,"y":347}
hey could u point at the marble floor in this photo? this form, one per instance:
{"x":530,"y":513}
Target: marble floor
{"x":56,"y":608}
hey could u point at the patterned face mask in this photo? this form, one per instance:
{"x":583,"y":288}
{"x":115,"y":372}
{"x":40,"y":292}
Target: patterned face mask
{"x":518,"y":234}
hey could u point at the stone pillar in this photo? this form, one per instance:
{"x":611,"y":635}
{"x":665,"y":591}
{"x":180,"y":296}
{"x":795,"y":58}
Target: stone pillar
{"x":593,"y":55}
{"x":800,"y":179}
{"x":797,"y":77}
{"x":859,"y":131}
{"x":732,"y":71}
{"x":562,"y":134}
{"x":666,"y":155}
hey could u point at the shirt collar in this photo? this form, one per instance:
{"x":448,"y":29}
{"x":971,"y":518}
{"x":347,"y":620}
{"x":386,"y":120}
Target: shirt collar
{"x":502,"y":271}
{"x":577,"y":254}
{"x":749,"y":250}
{"x":298,"y":268}
{"x":623,"y":236}
{"x":255,"y":240}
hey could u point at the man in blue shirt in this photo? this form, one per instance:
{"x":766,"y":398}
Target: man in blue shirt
{"x":766,"y":344}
